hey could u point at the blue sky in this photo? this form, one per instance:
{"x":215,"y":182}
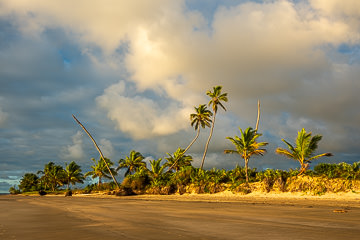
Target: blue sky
{"x":132,"y":73}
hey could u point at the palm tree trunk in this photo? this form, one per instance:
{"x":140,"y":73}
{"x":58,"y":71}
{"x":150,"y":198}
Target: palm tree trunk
{"x":246,"y":170}
{"x":208,"y":141}
{"x":97,"y":147}
{"x":192,"y":142}
{"x":258,"y":117}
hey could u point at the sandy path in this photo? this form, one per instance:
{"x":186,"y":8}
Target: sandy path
{"x":57,"y":217}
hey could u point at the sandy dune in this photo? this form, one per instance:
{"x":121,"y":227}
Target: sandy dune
{"x":179,"y":217}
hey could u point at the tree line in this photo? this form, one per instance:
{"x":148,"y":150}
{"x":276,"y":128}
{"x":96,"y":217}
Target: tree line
{"x":177,"y":170}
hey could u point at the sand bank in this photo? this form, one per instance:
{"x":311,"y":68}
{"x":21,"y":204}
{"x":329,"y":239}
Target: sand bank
{"x":221,"y":216}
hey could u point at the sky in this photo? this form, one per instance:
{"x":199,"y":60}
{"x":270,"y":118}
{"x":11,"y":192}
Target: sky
{"x":133,"y":71}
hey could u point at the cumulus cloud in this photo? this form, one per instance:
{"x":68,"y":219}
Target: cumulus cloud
{"x":74,"y":151}
{"x":138,"y":116}
{"x":106,"y":148}
{"x":286,"y":53}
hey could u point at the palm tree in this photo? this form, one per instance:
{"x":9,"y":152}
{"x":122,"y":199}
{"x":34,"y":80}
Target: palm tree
{"x":157,"y":171}
{"x":53,"y":176}
{"x":246,"y":146}
{"x":100,"y":169}
{"x":156,"y":168}
{"x":201,"y":117}
{"x":303,"y":150}
{"x":178,"y":160}
{"x":216,"y":98}
{"x":73,"y":174}
{"x":133,"y":162}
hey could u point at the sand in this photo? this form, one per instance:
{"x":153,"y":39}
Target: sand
{"x":219,"y":216}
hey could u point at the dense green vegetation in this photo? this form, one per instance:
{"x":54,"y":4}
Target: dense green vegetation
{"x":175,"y":174}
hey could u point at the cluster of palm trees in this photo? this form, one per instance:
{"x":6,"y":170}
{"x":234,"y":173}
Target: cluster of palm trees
{"x":52,"y":177}
{"x":246,"y":145}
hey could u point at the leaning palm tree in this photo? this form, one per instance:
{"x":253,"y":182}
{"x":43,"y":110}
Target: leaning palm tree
{"x":216,"y":98}
{"x":100,"y":169}
{"x":73,"y":174}
{"x":132,"y":163}
{"x":201,"y":117}
{"x":177,"y":160}
{"x":246,"y":146}
{"x":303,"y":150}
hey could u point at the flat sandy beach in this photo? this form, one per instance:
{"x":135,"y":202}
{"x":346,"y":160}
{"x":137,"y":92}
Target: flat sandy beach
{"x":219,"y":216}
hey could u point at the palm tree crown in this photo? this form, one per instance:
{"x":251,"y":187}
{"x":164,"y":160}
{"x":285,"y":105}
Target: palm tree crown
{"x":246,"y":146}
{"x":73,"y":174}
{"x":132,"y":163}
{"x":216,"y":98}
{"x":178,"y":160}
{"x":100,"y":169}
{"x":303,"y":150}
{"x":201,"y":117}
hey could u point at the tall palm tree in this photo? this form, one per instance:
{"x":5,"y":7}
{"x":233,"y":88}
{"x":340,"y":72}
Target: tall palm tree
{"x":100,"y":169}
{"x":216,"y":98}
{"x":73,"y":174}
{"x":246,"y":146}
{"x":303,"y":150}
{"x":133,"y":162}
{"x":201,"y":117}
{"x":178,"y":160}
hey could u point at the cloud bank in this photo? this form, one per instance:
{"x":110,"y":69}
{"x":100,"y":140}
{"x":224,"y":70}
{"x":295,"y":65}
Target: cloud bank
{"x":140,"y":67}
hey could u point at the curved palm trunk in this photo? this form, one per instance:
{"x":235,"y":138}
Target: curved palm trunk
{"x":208,"y":141}
{"x":258,"y":117}
{"x":97,"y":147}
{"x":192,"y":142}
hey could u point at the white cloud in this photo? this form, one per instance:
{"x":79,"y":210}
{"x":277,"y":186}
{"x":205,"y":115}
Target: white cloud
{"x":282,"y":52}
{"x":75,"y":150}
{"x":138,"y":116}
{"x":106,"y":148}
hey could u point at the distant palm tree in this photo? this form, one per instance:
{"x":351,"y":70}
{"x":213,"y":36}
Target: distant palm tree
{"x":53,"y":176}
{"x":73,"y":174}
{"x":201,"y":117}
{"x":303,"y":150}
{"x":132,"y":163}
{"x":216,"y":98}
{"x":178,"y":160}
{"x":156,"y":168}
{"x":157,"y":171}
{"x":246,"y":146}
{"x":100,"y":169}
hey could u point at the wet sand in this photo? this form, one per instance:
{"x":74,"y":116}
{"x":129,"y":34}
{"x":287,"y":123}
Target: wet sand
{"x":177,"y":217}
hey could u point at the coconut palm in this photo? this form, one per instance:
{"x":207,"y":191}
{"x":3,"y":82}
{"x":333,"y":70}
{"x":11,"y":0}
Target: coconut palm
{"x":201,"y":117}
{"x":132,"y":163}
{"x":246,"y":146}
{"x":53,"y":176}
{"x":100,"y":169}
{"x":303,"y":150}
{"x":178,"y":160}
{"x":216,"y":98}
{"x":156,"y":172}
{"x":73,"y":174}
{"x":156,"y":168}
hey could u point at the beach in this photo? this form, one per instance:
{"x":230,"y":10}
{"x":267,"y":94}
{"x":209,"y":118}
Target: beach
{"x":204,"y":216}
